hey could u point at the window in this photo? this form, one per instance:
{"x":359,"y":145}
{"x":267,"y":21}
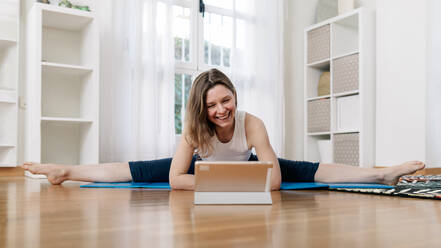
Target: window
{"x":181,"y":33}
{"x":200,"y":43}
{"x":182,"y":90}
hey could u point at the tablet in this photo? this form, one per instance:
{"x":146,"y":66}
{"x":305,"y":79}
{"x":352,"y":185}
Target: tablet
{"x":232,"y":182}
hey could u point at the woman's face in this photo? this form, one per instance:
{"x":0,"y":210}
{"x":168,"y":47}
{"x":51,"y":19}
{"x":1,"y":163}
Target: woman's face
{"x":221,"y":106}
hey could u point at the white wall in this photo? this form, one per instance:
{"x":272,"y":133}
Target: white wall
{"x":299,"y":14}
{"x":408,"y":118}
{"x":433,"y":103}
{"x":401,"y":81}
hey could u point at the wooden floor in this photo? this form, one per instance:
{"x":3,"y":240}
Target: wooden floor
{"x":35,"y":214}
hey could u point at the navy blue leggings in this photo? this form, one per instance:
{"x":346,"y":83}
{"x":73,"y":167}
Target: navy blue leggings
{"x":158,"y":170}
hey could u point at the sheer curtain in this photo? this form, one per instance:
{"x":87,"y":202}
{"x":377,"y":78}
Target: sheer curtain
{"x":137,"y":75}
{"x":257,"y":64}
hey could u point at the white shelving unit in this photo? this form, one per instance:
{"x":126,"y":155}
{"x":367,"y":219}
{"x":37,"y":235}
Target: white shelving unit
{"x":344,"y":119}
{"x":9,"y":47}
{"x":62,"y":86}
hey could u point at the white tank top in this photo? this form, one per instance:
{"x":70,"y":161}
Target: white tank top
{"x":237,"y":148}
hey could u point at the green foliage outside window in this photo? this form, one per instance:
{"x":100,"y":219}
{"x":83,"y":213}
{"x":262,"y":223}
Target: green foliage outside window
{"x":178,"y":48}
{"x":178,"y":103}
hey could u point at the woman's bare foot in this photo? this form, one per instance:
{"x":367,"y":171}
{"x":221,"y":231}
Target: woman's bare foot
{"x":392,"y":174}
{"x":56,"y":174}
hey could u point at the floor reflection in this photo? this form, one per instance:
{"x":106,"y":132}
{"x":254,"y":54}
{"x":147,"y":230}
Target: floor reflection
{"x":34,"y":213}
{"x":19,"y":213}
{"x":224,"y":225}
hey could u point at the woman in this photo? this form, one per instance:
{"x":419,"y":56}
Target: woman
{"x":216,"y":130}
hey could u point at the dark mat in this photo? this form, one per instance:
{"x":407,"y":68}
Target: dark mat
{"x":426,"y":187}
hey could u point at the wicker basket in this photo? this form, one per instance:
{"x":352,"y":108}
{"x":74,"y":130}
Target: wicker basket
{"x":319,"y":116}
{"x":319,"y":44}
{"x":345,"y":74}
{"x":346,"y":149}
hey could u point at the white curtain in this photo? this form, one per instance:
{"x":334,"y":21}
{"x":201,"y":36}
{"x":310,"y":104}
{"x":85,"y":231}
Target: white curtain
{"x":257,"y":64}
{"x":137,"y":74}
{"x":137,"y":80}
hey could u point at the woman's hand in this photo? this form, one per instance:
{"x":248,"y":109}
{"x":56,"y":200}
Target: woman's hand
{"x":178,"y":177}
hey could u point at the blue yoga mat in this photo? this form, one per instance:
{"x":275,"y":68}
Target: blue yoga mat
{"x":359,"y":186}
{"x":159,"y":185}
{"x":284,"y":186}
{"x":292,"y":185}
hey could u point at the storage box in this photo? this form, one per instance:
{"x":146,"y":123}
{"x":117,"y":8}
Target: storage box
{"x":348,"y":113}
{"x":345,"y":74}
{"x":319,"y":117}
{"x":346,"y":149}
{"x":319,"y":44}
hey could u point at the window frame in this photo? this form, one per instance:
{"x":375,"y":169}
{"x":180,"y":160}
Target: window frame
{"x":196,"y":65}
{"x":220,"y":11}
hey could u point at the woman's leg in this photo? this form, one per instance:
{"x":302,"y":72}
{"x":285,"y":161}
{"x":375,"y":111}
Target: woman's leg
{"x":56,"y":174}
{"x":154,"y":170}
{"x":302,"y":171}
{"x":294,"y":171}
{"x":139,"y":171}
{"x":332,"y":173}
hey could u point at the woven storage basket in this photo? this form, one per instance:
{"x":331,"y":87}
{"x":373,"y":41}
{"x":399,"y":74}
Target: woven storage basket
{"x":319,"y":116}
{"x":345,"y":74}
{"x":319,"y":44}
{"x":346,"y":148}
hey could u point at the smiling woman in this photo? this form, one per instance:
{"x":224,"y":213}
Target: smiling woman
{"x":216,"y":131}
{"x":213,"y":98}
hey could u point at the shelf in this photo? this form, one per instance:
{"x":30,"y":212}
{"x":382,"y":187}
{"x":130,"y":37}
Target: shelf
{"x":8,"y":155}
{"x":7,"y":165}
{"x":62,"y":122}
{"x":64,"y":18}
{"x":313,"y":75}
{"x":6,"y":146}
{"x":318,"y":98}
{"x":323,"y":64}
{"x":7,"y":96}
{"x":68,"y":120}
{"x":319,"y":133}
{"x":346,"y":131}
{"x":345,"y":36}
{"x":35,"y":176}
{"x":8,"y":66}
{"x":345,"y":54}
{"x":66,"y":96}
{"x":335,"y":19}
{"x":9,"y":73}
{"x":341,"y":119}
{"x":65,"y":69}
{"x":9,"y":19}
{"x":7,"y":43}
{"x":8,"y":126}
{"x":68,"y":142}
{"x":347,"y":93}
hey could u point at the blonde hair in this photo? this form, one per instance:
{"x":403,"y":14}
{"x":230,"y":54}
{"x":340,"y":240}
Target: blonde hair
{"x":198,"y":129}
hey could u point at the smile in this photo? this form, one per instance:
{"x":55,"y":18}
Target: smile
{"x":224,"y":117}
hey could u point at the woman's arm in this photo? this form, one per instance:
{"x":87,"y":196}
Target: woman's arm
{"x":257,"y":137}
{"x":178,"y":177}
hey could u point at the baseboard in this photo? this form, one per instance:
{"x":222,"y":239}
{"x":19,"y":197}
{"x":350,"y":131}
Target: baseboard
{"x":34,"y":176}
{"x":426,"y":171}
{"x":11,"y":171}
{"x":18,"y":171}
{"x":429,"y":171}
